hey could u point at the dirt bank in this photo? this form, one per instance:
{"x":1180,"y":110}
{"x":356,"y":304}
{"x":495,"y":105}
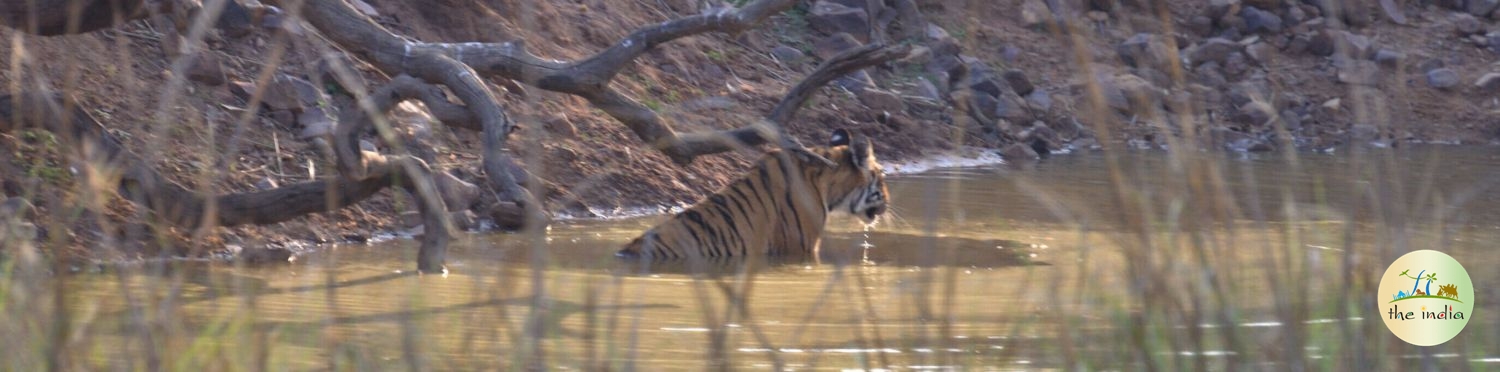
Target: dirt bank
{"x":1020,"y":77}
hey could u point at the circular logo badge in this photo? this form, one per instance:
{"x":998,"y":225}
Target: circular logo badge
{"x":1426,"y":297}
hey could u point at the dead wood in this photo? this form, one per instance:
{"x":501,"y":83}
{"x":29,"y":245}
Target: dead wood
{"x":419,"y":71}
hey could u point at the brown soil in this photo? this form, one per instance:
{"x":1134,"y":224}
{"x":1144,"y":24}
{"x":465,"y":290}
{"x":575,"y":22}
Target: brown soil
{"x":698,"y":83}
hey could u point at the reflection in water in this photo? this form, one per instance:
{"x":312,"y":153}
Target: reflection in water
{"x":977,"y":268}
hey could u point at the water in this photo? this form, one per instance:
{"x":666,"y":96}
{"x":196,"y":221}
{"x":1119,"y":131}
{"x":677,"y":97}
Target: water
{"x":1209,"y":262}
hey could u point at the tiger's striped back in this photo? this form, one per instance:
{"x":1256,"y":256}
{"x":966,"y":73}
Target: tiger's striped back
{"x":779,"y":207}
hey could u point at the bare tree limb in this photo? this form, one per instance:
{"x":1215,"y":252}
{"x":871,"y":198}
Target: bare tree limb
{"x":182,"y":207}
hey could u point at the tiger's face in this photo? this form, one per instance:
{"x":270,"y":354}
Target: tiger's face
{"x":861,"y":175}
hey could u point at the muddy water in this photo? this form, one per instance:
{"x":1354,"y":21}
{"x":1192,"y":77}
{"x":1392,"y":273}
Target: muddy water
{"x":1077,"y":261}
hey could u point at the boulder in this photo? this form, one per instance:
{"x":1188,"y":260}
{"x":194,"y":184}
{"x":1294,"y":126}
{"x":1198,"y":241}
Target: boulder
{"x":1019,"y":152}
{"x":1389,"y":58}
{"x":1220,"y":8}
{"x":831,"y":46}
{"x":18,"y":208}
{"x":1012,"y":107}
{"x":1262,"y":53}
{"x":1359,"y":73}
{"x":1327,"y":42}
{"x":881,"y":100}
{"x":1256,"y":114}
{"x":1482,"y":8}
{"x":1039,"y":100}
{"x":1034,"y":13}
{"x":1213,"y":50}
{"x":1018,"y":81}
{"x":315,"y":124}
{"x":832,"y":18}
{"x":1260,"y":21}
{"x":286,"y":92}
{"x":787,"y":55}
{"x":1465,"y":25}
{"x":1145,"y":50}
{"x":207,"y":69}
{"x":456,"y":193}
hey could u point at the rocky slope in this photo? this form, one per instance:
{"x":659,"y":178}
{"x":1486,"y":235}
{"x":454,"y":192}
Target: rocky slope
{"x":1023,"y":77}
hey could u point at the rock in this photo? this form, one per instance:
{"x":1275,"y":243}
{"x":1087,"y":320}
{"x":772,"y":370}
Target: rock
{"x":1290,"y":120}
{"x":1255,"y":113}
{"x":1019,"y":152}
{"x":456,"y":194}
{"x":367,"y":145}
{"x":558,"y":125}
{"x":242,"y":89}
{"x":1145,"y":50}
{"x":262,"y":255}
{"x":1389,"y":58}
{"x":1039,"y":100}
{"x":1295,"y":15}
{"x":1482,"y":8}
{"x":1489,"y":83}
{"x":787,"y":55}
{"x":265,"y":183}
{"x":286,"y":92}
{"x":1034,"y":13}
{"x":1236,"y":65}
{"x":928,"y":90}
{"x":833,"y":18}
{"x":1442,"y":78}
{"x":882,"y":100}
{"x":1232,"y":27}
{"x":1201,"y":25}
{"x":1244,"y":92}
{"x":988,"y":85}
{"x":1329,"y":41}
{"x":1220,"y":8}
{"x":856,"y":81}
{"x":1492,"y":39}
{"x":1012,"y":107}
{"x":206,"y":69}
{"x":1237,"y":141}
{"x":464,"y":219}
{"x":1209,"y":74}
{"x":831,"y":46}
{"x":1298,"y":43}
{"x":1139,"y":95}
{"x":1153,"y":76}
{"x":16,"y":207}
{"x":1262,"y":53}
{"x":1213,"y":50}
{"x":1018,"y":82}
{"x":1465,"y":25}
{"x":507,"y":216}
{"x":315,"y":123}
{"x":1359,"y":73}
{"x":1259,"y":21}
{"x":410,"y":219}
{"x":1363,"y":133}
{"x":1427,"y":65}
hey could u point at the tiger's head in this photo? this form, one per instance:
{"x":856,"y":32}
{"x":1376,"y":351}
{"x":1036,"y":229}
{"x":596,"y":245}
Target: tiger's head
{"x":858,"y":182}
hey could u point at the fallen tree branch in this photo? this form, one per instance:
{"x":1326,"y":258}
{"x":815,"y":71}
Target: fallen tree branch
{"x":184,"y":208}
{"x":773,"y":126}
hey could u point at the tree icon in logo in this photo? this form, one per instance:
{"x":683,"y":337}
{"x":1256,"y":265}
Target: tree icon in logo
{"x":1445,"y":291}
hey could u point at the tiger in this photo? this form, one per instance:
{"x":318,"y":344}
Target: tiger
{"x":779,"y":208}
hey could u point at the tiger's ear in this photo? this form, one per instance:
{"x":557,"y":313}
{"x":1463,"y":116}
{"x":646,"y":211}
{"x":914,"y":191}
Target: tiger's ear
{"x":863,"y":152}
{"x":840,"y":137}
